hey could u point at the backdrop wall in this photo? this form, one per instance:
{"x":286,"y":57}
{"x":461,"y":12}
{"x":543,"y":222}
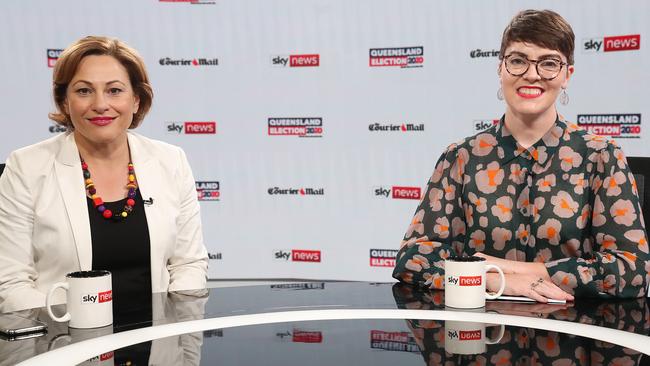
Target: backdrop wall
{"x":313,"y":126}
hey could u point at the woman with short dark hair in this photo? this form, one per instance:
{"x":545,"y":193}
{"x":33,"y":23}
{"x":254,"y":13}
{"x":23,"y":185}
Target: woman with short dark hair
{"x":555,"y":207}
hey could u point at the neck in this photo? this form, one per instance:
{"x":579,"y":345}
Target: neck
{"x":528,"y":129}
{"x":113,"y":153}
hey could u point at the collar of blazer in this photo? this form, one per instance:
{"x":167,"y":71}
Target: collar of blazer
{"x":69,"y":175}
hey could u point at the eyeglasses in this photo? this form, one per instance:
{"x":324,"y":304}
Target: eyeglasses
{"x":547,"y":69}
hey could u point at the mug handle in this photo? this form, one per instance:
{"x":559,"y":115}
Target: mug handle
{"x":503,"y":282}
{"x":502,"y":330}
{"x":48,"y":302}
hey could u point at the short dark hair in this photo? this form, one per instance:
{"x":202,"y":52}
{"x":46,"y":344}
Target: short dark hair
{"x":544,"y":28}
{"x":69,"y":60}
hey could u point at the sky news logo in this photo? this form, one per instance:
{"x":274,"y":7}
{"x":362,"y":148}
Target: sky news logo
{"x":295,"y":126}
{"x":390,"y":127}
{"x":208,"y":191}
{"x":398,"y":192}
{"x":307,"y":60}
{"x":393,"y":341}
{"x":297,"y":255}
{"x":627,"y":126}
{"x":484,"y":124}
{"x":629,"y":42}
{"x":53,"y":55}
{"x":166,"y":61}
{"x":99,"y":298}
{"x":465,"y":280}
{"x":403,"y":57}
{"x":193,"y":128}
{"x":479,"y":53}
{"x":382,"y":257}
{"x":277,"y":191}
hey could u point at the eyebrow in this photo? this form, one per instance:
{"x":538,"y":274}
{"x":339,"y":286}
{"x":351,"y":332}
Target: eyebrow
{"x":540,"y":57}
{"x":89,"y":83}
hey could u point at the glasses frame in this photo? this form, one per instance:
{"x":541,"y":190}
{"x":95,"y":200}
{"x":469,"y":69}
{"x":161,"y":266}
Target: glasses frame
{"x":536,"y":62}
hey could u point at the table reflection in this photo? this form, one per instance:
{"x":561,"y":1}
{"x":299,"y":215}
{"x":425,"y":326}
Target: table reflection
{"x":467,"y":343}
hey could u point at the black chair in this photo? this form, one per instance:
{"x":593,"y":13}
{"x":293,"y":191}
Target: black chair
{"x":2,"y":168}
{"x":640,"y":167}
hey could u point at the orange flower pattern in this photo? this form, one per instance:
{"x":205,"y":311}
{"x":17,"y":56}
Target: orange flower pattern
{"x":569,"y":201}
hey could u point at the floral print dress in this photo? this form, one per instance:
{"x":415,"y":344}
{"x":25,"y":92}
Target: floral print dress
{"x":568,"y":201}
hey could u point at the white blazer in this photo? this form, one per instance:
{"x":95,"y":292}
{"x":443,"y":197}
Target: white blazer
{"x":45,"y":228}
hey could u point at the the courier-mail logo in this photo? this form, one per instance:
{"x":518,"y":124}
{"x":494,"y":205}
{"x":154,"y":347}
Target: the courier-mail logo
{"x":99,"y":298}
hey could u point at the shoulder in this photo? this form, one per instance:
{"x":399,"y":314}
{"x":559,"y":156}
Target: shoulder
{"x":37,"y":158}
{"x":160,"y":150}
{"x":585,"y":142}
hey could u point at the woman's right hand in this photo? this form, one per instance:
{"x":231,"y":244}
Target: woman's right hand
{"x":528,"y":285}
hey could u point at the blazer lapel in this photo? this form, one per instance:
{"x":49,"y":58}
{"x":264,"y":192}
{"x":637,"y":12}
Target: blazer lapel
{"x":149,"y":177}
{"x":68,"y":172}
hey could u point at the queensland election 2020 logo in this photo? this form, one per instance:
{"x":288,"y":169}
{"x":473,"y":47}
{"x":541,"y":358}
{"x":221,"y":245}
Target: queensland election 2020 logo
{"x":614,"y":125}
{"x":208,"y":191}
{"x":630,"y":42}
{"x":53,"y":55}
{"x":403,"y":57}
{"x":382,"y":257}
{"x":295,"y":126}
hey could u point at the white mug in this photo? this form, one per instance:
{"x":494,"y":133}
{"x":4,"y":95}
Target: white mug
{"x":76,"y":335}
{"x":468,"y":338}
{"x":465,"y":282}
{"x":89,"y":299}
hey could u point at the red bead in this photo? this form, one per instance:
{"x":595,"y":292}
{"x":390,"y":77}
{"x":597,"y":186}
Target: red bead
{"x":84,"y":166}
{"x":107,"y":214}
{"x":98,"y":201}
{"x":130,"y":202}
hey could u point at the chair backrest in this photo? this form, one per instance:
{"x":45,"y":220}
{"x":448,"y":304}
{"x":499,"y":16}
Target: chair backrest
{"x":640,"y":167}
{"x":2,"y":168}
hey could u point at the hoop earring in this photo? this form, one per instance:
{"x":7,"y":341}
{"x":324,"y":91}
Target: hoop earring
{"x":500,"y":94}
{"x":564,"y":97}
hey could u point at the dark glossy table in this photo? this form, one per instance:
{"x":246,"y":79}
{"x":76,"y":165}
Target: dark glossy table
{"x":343,"y":323}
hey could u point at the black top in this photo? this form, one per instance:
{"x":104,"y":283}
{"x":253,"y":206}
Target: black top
{"x":123,"y":247}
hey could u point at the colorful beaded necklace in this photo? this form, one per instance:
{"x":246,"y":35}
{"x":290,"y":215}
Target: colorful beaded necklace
{"x":131,"y":185}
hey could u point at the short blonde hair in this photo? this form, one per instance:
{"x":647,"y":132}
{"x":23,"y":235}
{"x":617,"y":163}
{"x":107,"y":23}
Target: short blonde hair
{"x":69,"y":60}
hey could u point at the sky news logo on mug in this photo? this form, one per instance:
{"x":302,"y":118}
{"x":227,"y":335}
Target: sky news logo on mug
{"x":465,"y":335}
{"x":98,"y":298}
{"x":630,"y":42}
{"x":465,"y":280}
